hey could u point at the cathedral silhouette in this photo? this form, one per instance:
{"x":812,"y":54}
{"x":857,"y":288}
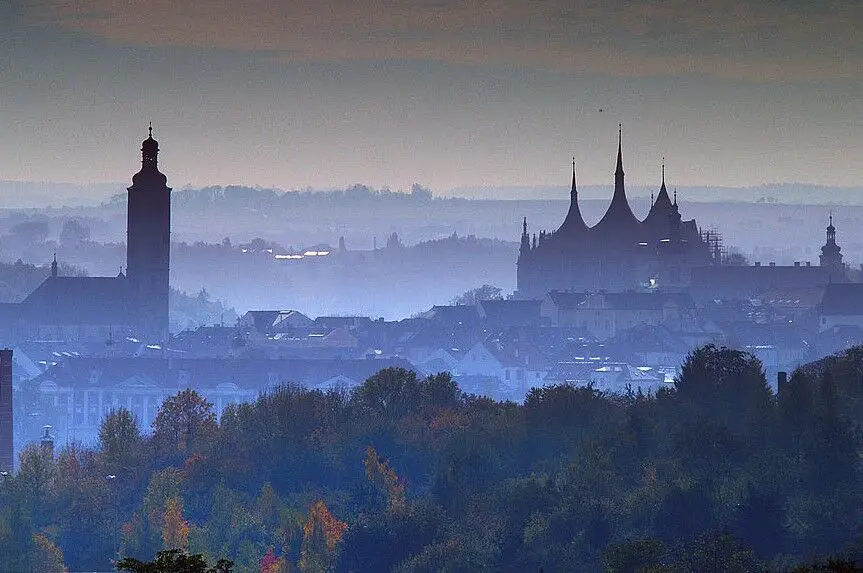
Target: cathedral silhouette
{"x":619,"y":252}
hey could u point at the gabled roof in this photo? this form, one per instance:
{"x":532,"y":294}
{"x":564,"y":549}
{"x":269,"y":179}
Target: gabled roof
{"x":516,"y":353}
{"x":453,"y":314}
{"x":270,"y":321}
{"x":79,"y":300}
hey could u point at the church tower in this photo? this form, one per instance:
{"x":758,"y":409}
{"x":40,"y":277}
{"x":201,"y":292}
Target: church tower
{"x":148,"y":244}
{"x":831,"y":255}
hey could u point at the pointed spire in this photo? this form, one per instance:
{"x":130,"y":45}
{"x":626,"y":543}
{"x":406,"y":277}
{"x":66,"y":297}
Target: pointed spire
{"x":675,"y":196}
{"x":663,"y":172}
{"x":524,"y":228}
{"x":574,"y":223}
{"x":619,"y":223}
{"x":619,"y":170}
{"x":54,"y":267}
{"x":150,"y":129}
{"x":651,"y":198}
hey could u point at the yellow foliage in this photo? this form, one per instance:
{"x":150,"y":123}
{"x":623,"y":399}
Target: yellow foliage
{"x":321,"y":526}
{"x":175,"y":529}
{"x":379,"y":472}
{"x":46,"y":556}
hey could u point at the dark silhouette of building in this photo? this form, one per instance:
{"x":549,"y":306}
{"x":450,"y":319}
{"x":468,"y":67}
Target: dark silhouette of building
{"x":95,"y":309}
{"x":148,"y":242}
{"x":619,"y":252}
{"x":6,"y":448}
{"x":831,"y":255}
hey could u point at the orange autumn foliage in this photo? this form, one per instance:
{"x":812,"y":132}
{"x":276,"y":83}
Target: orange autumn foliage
{"x":321,"y":532}
{"x":175,"y":529}
{"x":379,"y":472}
{"x":320,"y":517}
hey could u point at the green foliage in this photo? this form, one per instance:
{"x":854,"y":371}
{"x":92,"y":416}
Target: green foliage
{"x":174,"y":561}
{"x":407,"y":473}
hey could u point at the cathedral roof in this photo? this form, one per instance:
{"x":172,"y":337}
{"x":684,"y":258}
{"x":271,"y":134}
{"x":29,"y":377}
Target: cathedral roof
{"x":662,"y":205}
{"x":574,"y":222}
{"x":619,"y":222}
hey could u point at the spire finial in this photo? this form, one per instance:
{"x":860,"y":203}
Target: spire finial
{"x":573,"y":190}
{"x":54,"y":269}
{"x":651,"y":198}
{"x":619,"y":170}
{"x":675,"y":196}
{"x":150,"y":130}
{"x":663,"y":170}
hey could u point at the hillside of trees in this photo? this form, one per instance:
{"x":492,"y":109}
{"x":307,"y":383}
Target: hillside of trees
{"x":411,"y":475}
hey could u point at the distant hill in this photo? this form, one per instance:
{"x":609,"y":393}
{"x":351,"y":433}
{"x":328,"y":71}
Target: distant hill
{"x":788,"y":193}
{"x":39,"y":195}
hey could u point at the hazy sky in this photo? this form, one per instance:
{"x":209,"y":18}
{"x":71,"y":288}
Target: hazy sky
{"x":327,"y":93}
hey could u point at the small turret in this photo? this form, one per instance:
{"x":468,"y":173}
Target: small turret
{"x":525,"y":240}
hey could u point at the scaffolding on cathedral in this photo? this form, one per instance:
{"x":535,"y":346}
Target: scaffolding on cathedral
{"x":716,"y":244}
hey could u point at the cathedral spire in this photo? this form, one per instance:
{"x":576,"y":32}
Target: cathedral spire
{"x":619,"y":222}
{"x":574,"y":223}
{"x":663,"y":174}
{"x":619,"y":170}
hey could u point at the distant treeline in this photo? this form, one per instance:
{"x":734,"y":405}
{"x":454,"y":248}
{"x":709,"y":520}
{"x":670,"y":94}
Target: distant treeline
{"x":407,"y":474}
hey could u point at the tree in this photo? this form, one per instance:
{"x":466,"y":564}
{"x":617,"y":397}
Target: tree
{"x":725,"y":385}
{"x":184,"y":424}
{"x":119,"y":439}
{"x":31,"y":231}
{"x":485,"y":292}
{"x":175,"y":530}
{"x":174,"y":561}
{"x":320,"y":535}
{"x":74,"y":233}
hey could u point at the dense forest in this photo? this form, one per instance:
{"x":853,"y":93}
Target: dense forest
{"x":411,"y":475}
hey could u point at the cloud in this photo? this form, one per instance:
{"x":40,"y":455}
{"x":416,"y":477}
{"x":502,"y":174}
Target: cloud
{"x":742,"y":39}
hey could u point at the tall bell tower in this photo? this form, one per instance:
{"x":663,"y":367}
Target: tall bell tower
{"x":148,"y":244}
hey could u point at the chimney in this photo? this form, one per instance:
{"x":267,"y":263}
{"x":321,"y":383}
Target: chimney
{"x":781,"y":382}
{"x":6,"y":447}
{"x":47,"y":441}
